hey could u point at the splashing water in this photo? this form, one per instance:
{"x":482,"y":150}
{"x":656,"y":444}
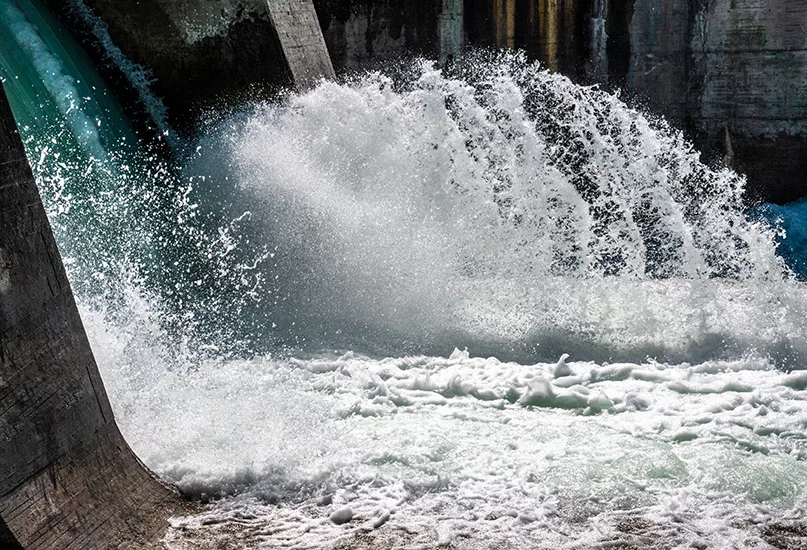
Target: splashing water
{"x":792,"y":237}
{"x":493,"y":206}
{"x":507,"y":210}
{"x":504,"y":209}
{"x":131,"y":232}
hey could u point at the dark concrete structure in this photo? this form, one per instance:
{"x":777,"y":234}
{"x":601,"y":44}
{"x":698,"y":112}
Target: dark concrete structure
{"x":731,"y":73}
{"x":297,"y":28}
{"x":68,"y":480}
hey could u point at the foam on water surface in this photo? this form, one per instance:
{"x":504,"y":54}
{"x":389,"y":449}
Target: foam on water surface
{"x":469,"y":452}
{"x":635,"y":344}
{"x":456,"y":212}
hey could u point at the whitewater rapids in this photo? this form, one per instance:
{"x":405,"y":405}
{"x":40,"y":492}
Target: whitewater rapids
{"x":565,"y":333}
{"x":407,"y":227}
{"x":474,"y":308}
{"x":468,"y":452}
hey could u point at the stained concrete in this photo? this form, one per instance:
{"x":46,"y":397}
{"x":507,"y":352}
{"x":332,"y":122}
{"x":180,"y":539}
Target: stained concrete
{"x":362,"y":34}
{"x":300,"y":36}
{"x":731,"y":73}
{"x":200,"y":53}
{"x":452,"y":32}
{"x":67,"y":477}
{"x":725,"y":71}
{"x":753,"y":85}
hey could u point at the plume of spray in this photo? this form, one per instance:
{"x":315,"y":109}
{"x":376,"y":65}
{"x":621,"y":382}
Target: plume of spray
{"x":499,"y":206}
{"x":491,"y":204}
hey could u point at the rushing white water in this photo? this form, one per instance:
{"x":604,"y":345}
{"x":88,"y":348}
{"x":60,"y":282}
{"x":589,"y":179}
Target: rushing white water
{"x":493,"y":207}
{"x":509,"y":211}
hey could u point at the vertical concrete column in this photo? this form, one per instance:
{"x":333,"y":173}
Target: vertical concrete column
{"x":549,"y":17}
{"x":597,"y":64}
{"x":452,"y":36}
{"x":301,"y":40}
{"x":68,"y":480}
{"x":504,"y":21}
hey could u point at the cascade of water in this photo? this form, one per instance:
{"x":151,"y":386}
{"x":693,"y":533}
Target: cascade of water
{"x":499,"y":207}
{"x":138,"y":77}
{"x":127,"y":226}
{"x":492,"y":205}
{"x":503,"y":208}
{"x":51,"y":85}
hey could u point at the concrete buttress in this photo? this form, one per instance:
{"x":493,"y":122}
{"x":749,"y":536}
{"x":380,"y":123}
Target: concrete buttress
{"x":301,"y":39}
{"x":68,"y":480}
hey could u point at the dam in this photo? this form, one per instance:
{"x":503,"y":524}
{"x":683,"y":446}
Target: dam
{"x":460,"y":301}
{"x":69,"y":478}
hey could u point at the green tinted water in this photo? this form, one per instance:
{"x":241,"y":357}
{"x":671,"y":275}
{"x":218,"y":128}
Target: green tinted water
{"x":55,"y":92}
{"x":129,"y":223}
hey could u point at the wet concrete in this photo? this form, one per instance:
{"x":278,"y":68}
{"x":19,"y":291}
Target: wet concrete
{"x":67,"y":477}
{"x":716,"y":67}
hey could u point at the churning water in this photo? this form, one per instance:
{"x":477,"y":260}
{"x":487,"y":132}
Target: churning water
{"x":479,"y":307}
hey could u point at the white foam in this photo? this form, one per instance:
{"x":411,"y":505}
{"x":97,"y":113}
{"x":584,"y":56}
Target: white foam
{"x":441,"y":217}
{"x":431,"y":450}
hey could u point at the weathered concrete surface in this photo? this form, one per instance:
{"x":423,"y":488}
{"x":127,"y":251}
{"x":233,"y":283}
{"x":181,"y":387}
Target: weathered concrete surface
{"x":731,"y":73}
{"x":67,"y":477}
{"x":558,"y":32}
{"x":752,"y":85}
{"x":304,"y":48}
{"x":452,"y":31}
{"x":371,"y":32}
{"x":200,"y":53}
{"x":656,"y":67}
{"x":728,"y":72}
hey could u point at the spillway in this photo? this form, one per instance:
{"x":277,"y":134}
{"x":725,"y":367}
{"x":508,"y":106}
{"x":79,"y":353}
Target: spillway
{"x":471,"y":307}
{"x":69,"y":480}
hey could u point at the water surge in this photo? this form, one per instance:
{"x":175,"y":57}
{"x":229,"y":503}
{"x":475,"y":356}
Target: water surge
{"x":472,"y":306}
{"x":504,"y":209}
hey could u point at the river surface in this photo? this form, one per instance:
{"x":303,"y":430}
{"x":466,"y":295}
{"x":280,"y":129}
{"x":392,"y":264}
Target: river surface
{"x":476,"y":307}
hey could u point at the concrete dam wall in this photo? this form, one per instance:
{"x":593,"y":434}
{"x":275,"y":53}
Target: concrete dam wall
{"x":68,"y":479}
{"x":731,"y":73}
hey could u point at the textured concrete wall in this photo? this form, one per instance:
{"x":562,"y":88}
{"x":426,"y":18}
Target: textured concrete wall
{"x":751,"y":80}
{"x":367,"y":33}
{"x":452,"y":30}
{"x":67,"y":477}
{"x":732,"y":73}
{"x":298,"y":29}
{"x":755,"y":66}
{"x":659,"y":47}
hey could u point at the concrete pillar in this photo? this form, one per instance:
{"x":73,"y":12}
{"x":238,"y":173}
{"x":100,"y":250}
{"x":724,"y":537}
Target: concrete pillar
{"x":504,"y":21}
{"x":452,"y":32}
{"x":68,"y":480}
{"x":301,"y":39}
{"x":549,"y":17}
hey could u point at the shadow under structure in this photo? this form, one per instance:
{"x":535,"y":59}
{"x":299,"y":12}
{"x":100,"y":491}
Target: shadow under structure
{"x":68,"y":480}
